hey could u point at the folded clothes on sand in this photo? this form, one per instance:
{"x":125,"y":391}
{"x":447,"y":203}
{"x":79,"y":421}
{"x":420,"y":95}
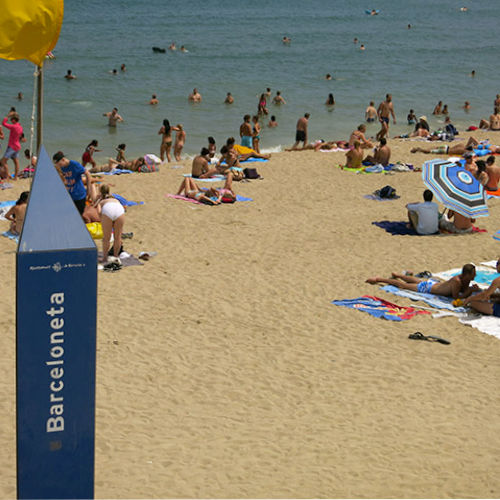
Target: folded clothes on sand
{"x":380,"y":308}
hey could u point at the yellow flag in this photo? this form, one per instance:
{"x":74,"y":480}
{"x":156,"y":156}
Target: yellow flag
{"x":29,"y":28}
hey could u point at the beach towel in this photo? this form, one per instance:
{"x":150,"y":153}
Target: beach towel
{"x":380,"y":308}
{"x":5,"y":206}
{"x":437,"y":301}
{"x":490,"y":263}
{"x":493,"y":194}
{"x":484,"y":323}
{"x":5,"y":185}
{"x":126,"y":259}
{"x":126,"y":203}
{"x":185,"y":198}
{"x":396,"y":228}
{"x":11,"y":236}
{"x":117,"y":171}
{"x":216,"y":178}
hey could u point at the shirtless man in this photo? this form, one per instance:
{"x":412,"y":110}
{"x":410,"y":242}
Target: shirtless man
{"x":153,"y":100}
{"x":359,"y":135}
{"x":246,"y":132}
{"x":486,"y":302}
{"x":371,"y":113}
{"x":229,"y":99}
{"x":382,"y":154}
{"x":456,"y":287}
{"x":69,"y":75}
{"x":200,"y":168}
{"x":301,"y":131}
{"x":385,"y":109}
{"x":113,"y":117}
{"x":493,"y":172}
{"x":278,"y":99}
{"x":195,"y":96}
{"x":456,"y":150}
{"x":494,"y":123}
{"x":354,"y":157}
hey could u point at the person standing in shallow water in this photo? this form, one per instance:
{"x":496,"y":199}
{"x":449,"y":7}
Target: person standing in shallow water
{"x":166,"y":140}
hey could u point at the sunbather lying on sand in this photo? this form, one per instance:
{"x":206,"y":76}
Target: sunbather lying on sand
{"x":445,"y":149}
{"x":322,"y":145}
{"x":211,"y":196}
{"x":134,"y":165}
{"x":456,"y":287}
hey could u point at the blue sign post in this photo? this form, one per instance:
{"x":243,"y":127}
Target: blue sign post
{"x":56,"y":344}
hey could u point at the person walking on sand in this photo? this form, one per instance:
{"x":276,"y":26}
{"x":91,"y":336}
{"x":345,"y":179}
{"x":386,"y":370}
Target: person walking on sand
{"x":301,"y":131}
{"x":88,"y":154}
{"x":385,"y":109}
{"x":13,"y":146}
{"x":112,"y":220}
{"x":180,"y":139}
{"x":456,"y":287}
{"x":166,"y":140}
{"x":113,"y":117}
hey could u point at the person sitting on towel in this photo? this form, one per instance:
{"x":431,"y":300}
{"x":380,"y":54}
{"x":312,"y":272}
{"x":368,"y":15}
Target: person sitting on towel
{"x":354,"y":156}
{"x":456,"y":287}
{"x":454,"y":222}
{"x":487,"y":301}
{"x":493,"y":172}
{"x":200,"y":168}
{"x":381,"y":155}
{"x":424,"y":217}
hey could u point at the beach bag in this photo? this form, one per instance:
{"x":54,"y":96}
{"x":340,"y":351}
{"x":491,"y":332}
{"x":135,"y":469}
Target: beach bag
{"x":95,"y":230}
{"x":251,"y":173}
{"x":151,"y":164}
{"x":387,"y":192}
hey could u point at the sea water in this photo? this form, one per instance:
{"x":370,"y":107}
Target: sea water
{"x":237,"y":47}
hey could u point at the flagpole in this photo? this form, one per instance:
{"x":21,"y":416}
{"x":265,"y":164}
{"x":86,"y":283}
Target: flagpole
{"x":39,"y":114}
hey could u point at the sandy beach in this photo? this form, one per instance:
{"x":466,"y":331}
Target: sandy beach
{"x":223,"y":369}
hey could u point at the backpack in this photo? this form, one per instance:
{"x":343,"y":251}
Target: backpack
{"x":387,"y":192}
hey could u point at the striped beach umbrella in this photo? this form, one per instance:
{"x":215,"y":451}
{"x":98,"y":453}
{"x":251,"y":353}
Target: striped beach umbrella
{"x":455,"y":188}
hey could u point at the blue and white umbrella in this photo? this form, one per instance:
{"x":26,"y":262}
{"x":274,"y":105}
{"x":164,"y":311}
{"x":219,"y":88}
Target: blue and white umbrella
{"x":455,"y":188}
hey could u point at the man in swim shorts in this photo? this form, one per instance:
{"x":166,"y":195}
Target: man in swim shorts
{"x":371,"y":113}
{"x":301,"y":131}
{"x":456,"y":287}
{"x":384,"y":111}
{"x":486,"y":302}
{"x":246,"y":132}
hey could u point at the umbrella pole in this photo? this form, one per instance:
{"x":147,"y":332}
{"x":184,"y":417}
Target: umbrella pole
{"x":39,"y":115}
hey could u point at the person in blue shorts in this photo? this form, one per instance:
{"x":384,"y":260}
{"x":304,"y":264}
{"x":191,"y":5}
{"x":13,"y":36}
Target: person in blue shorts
{"x":487,"y":301}
{"x":71,"y":173}
{"x":456,"y":287}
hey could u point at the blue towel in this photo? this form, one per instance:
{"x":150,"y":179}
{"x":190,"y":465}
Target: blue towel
{"x":117,"y":171}
{"x":496,"y":236}
{"x":242,"y":198}
{"x":125,"y":202}
{"x":7,"y":203}
{"x":396,"y":227}
{"x":11,"y":236}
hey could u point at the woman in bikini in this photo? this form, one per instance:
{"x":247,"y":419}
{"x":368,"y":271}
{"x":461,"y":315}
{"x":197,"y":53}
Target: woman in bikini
{"x":256,"y":134}
{"x":180,"y":139}
{"x":212,"y":196}
{"x":166,"y":140}
{"x":262,"y":107}
{"x":112,"y":220}
{"x":87,"y":156}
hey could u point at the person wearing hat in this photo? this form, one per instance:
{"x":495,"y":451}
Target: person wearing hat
{"x":422,"y":128}
{"x":71,"y":173}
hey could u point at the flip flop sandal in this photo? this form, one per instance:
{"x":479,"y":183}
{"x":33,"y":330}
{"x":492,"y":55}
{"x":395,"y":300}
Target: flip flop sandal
{"x":430,"y":338}
{"x":424,"y":274}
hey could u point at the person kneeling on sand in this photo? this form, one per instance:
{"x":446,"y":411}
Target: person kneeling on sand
{"x":424,"y":217}
{"x":16,"y":214}
{"x":200,"y":168}
{"x":454,"y":222}
{"x":487,"y":301}
{"x":381,"y":155}
{"x":112,"y":219}
{"x":354,"y":156}
{"x":456,"y":287}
